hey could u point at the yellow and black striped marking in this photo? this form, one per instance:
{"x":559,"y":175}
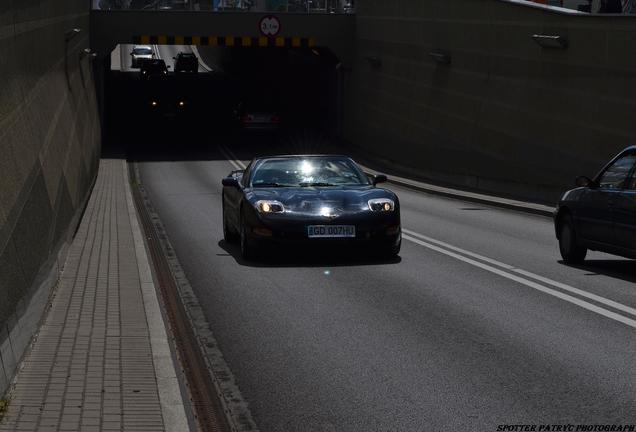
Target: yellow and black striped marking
{"x":228,"y":41}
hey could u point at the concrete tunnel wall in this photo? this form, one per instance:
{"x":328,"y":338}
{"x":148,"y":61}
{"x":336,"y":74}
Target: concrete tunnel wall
{"x":50,"y":145}
{"x":506,"y":116}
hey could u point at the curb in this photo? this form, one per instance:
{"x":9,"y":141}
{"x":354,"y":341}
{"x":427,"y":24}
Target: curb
{"x":526,"y":207}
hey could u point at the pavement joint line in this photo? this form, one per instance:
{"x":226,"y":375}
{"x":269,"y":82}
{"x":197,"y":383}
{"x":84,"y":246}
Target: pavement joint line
{"x":172,"y":404}
{"x":566,"y":297}
{"x":565,"y":287}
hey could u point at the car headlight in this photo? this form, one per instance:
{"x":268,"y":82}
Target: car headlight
{"x":382,"y":205}
{"x":268,"y":206}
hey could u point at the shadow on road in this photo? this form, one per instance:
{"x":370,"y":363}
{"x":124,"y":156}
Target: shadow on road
{"x":618,"y":269}
{"x":303,"y":258}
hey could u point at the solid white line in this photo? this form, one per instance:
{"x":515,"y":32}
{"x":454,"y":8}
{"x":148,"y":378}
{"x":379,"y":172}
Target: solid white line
{"x":525,"y":273}
{"x":581,"y":303}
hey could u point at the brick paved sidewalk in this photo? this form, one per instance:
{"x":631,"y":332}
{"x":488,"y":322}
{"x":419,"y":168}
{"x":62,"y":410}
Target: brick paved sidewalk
{"x":93,"y":366}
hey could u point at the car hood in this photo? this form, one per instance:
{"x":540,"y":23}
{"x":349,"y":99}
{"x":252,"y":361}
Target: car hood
{"x":315,"y":200}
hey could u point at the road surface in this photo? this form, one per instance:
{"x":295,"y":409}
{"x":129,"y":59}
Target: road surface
{"x":477,"y":324}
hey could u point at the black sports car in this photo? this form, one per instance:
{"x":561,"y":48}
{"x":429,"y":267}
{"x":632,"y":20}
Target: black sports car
{"x":309,"y":201}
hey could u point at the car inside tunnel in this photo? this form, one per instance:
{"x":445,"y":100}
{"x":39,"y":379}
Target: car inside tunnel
{"x":178,"y":101}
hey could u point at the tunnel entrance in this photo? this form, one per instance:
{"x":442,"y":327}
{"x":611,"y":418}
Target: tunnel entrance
{"x":177,"y":100}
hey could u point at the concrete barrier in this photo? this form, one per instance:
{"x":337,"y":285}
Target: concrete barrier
{"x":49,"y":143}
{"x":458,"y":92}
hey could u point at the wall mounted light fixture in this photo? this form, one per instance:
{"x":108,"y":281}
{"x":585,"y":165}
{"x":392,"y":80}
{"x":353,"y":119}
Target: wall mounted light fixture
{"x":551,"y":41}
{"x":70,"y":34}
{"x":374,"y":61}
{"x":85,"y":52}
{"x":441,"y":57}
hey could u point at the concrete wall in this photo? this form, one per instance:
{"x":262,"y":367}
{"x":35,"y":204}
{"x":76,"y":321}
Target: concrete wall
{"x":49,"y":149}
{"x":506,"y":116}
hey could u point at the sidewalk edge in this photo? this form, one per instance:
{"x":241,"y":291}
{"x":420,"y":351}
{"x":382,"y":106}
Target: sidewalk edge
{"x":172,"y":404}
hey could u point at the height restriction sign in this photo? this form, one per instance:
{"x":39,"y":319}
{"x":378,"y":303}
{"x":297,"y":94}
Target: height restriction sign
{"x":269,"y":26}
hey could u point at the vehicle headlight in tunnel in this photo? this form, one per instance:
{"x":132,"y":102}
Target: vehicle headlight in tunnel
{"x":269,"y":206}
{"x":382,"y":205}
{"x":154,"y":103}
{"x":182,"y":103}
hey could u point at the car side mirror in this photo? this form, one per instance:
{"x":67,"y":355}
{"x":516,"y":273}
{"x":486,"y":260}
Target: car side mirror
{"x":230,"y":182}
{"x":380,"y":178}
{"x":583,"y":181}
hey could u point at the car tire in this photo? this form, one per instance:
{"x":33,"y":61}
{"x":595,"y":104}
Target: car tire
{"x":248,"y":249}
{"x":229,"y":234}
{"x":571,"y":251}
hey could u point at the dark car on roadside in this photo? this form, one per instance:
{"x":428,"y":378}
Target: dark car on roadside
{"x":153,"y":68}
{"x":600,"y":214}
{"x":308,"y":203}
{"x":186,"y":63}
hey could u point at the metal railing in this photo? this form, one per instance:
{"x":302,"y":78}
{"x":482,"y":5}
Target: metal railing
{"x":273,"y":6}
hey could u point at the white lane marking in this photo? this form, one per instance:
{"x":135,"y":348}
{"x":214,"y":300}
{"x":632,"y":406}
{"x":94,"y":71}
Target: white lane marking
{"x":236,"y":164}
{"x":528,"y":274}
{"x":231,"y":157}
{"x":581,"y":303}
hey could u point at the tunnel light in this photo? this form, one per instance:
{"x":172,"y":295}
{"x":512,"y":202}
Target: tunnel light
{"x":441,"y":57}
{"x":154,"y":103}
{"x":70,"y":34}
{"x":550,"y":41}
{"x":182,"y":103}
{"x":374,"y":61}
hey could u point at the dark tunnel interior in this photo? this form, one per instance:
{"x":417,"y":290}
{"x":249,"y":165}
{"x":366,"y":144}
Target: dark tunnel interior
{"x":256,"y":100}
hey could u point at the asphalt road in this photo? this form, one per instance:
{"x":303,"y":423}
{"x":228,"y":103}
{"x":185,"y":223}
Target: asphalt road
{"x":485,"y":328}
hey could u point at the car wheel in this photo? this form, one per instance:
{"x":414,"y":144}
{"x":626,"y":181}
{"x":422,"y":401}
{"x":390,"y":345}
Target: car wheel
{"x":248,"y":250}
{"x":571,"y":251}
{"x":229,"y":234}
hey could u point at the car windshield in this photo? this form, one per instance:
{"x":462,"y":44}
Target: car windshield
{"x":308,"y":172}
{"x":142,"y":51}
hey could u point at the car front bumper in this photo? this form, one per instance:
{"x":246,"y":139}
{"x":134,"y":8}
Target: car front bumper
{"x":381,"y":233}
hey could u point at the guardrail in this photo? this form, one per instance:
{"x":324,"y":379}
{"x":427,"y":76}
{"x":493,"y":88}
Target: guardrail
{"x":259,"y":6}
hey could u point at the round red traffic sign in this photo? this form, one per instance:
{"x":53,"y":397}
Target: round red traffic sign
{"x":269,"y":26}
